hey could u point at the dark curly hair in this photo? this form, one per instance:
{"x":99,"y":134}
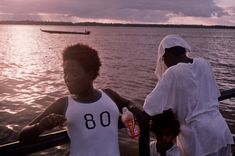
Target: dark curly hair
{"x":165,"y":123}
{"x":176,"y":51}
{"x":85,"y":56}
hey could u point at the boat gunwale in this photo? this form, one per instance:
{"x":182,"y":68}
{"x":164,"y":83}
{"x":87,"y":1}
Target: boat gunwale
{"x":65,"y":32}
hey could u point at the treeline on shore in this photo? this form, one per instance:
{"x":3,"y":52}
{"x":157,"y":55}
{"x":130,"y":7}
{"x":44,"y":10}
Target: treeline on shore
{"x":112,"y":24}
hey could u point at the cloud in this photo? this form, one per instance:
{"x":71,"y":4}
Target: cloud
{"x":149,"y":11}
{"x":231,"y":10}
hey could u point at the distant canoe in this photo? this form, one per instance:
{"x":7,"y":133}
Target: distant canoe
{"x":66,"y":32}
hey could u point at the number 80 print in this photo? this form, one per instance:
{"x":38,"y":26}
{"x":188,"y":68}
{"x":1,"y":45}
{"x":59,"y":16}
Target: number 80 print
{"x":104,"y":120}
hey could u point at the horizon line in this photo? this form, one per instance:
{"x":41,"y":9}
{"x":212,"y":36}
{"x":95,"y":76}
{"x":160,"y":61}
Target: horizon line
{"x":32,"y":22}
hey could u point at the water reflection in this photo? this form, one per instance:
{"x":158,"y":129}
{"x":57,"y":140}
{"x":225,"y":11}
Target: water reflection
{"x":29,"y":81}
{"x":22,"y":56}
{"x":11,"y":111}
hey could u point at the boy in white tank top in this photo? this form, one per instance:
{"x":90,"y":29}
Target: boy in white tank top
{"x":91,"y":115}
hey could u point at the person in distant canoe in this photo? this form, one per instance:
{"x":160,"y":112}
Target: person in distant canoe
{"x":91,"y":114}
{"x":188,"y":87}
{"x":166,"y":128}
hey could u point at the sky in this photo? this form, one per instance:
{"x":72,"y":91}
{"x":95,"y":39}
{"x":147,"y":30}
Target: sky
{"x":201,"y":12}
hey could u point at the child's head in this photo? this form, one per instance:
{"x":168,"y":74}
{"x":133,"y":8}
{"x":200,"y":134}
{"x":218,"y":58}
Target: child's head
{"x":85,"y":56}
{"x":165,"y":126}
{"x":81,"y":67}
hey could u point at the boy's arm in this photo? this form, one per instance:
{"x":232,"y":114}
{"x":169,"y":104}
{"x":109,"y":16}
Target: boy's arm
{"x":142,"y":118}
{"x":122,"y":102}
{"x":51,"y":117}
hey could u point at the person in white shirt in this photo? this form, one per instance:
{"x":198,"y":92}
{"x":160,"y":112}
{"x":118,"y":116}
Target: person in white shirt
{"x":188,"y":87}
{"x":166,"y":128}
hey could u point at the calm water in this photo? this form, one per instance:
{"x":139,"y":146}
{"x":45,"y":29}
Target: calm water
{"x":32,"y":78}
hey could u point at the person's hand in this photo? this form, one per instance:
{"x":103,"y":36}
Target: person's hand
{"x":51,"y":121}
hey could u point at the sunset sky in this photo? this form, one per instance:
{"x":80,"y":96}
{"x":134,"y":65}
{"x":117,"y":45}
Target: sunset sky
{"x":203,"y":12}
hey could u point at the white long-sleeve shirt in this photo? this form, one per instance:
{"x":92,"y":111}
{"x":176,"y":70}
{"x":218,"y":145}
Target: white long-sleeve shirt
{"x":190,"y":90}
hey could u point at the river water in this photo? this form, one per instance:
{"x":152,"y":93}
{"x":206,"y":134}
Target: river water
{"x":32,"y":76}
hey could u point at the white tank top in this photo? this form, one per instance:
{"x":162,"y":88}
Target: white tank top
{"x":93,"y":127}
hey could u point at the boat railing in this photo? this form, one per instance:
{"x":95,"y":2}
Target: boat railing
{"x":59,"y":138}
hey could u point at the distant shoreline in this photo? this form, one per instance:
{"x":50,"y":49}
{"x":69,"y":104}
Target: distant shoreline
{"x":112,"y":24}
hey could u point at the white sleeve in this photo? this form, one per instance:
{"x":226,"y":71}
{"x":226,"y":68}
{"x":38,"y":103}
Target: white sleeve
{"x":153,"y":149}
{"x":174,"y":151}
{"x":214,"y":89}
{"x":214,"y":84}
{"x":157,"y":100}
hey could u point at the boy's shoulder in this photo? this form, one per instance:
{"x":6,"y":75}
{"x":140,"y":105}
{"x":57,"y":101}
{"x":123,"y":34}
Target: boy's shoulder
{"x":123,"y":102}
{"x":60,"y":105}
{"x":110,"y":92}
{"x":118,"y":100}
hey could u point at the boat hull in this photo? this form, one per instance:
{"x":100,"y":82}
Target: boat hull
{"x":65,"y":32}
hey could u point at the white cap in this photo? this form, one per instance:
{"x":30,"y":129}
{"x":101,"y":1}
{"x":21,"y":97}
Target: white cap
{"x":168,"y":41}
